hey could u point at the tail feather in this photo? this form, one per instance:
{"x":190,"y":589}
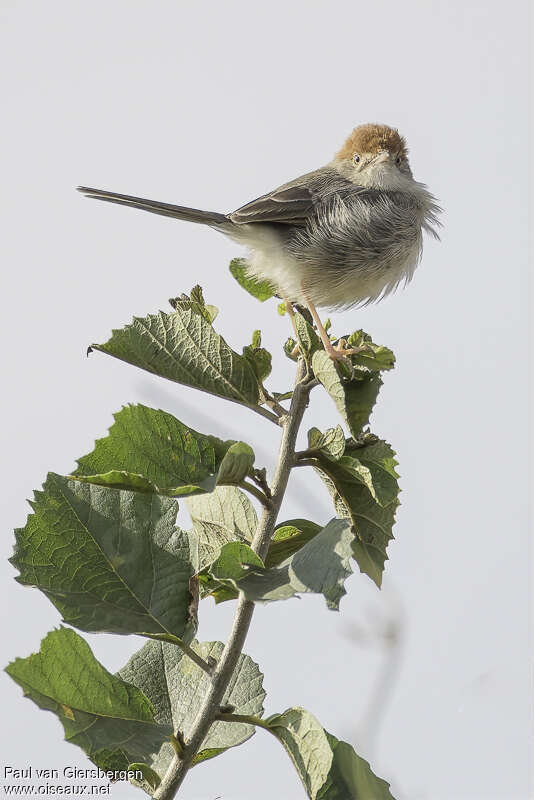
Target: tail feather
{"x":155,"y":207}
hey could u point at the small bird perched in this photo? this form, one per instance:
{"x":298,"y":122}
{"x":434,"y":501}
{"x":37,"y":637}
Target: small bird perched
{"x":344,"y":235}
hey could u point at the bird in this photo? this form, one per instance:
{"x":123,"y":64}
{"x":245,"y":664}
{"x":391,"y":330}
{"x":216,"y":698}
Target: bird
{"x":339,"y":237}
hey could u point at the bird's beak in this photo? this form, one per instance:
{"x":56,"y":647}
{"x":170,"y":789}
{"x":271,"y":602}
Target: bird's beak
{"x":382,"y":157}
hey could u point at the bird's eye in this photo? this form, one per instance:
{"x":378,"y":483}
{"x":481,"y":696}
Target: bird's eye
{"x":398,"y":161}
{"x":356,"y":158}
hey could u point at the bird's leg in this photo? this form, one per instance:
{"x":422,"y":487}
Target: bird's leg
{"x":328,"y":346}
{"x":340,"y":351}
{"x":290,"y":310}
{"x":336,"y":353}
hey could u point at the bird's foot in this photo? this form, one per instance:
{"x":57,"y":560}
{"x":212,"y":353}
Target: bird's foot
{"x":340,"y":351}
{"x":340,"y":354}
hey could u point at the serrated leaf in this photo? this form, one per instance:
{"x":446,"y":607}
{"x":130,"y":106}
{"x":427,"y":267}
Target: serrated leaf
{"x":176,"y":686}
{"x":88,"y":548}
{"x":109,"y":718}
{"x":364,"y":488}
{"x":320,"y":566}
{"x":354,"y":398}
{"x":151,"y":451}
{"x":306,"y":743}
{"x":227,"y":507}
{"x":288,"y":538}
{"x":308,"y":339}
{"x":183,"y":347}
{"x":328,"y":768}
{"x":323,"y":564}
{"x":207,"y":540}
{"x":259,"y":357}
{"x":290,"y":349}
{"x":129,"y":481}
{"x":351,"y":776}
{"x":155,"y":444}
{"x":375,"y":357}
{"x":331,"y":442}
{"x":235,"y":561}
{"x":261,"y":290}
{"x":226,"y":515}
{"x":209,"y":313}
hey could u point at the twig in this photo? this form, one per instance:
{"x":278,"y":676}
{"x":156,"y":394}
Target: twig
{"x":199,"y":661}
{"x":257,"y":493}
{"x":222,"y":674}
{"x":248,"y":719}
{"x":264,"y":412}
{"x":271,"y":401}
{"x":259,"y":476}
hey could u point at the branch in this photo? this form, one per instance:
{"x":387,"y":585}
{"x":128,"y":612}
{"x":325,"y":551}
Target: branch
{"x":225,"y":667}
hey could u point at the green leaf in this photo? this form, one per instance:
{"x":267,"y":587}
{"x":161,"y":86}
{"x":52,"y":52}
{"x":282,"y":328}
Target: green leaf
{"x":308,"y":339}
{"x":149,"y":776}
{"x":151,"y":451}
{"x":226,"y":515}
{"x":351,"y":776}
{"x":328,"y":768}
{"x":375,"y":357}
{"x":153,"y":443}
{"x":363,"y":484}
{"x":236,"y":464}
{"x":288,"y":538}
{"x":235,"y":561}
{"x":109,"y":718}
{"x":354,"y":398}
{"x":208,"y":312}
{"x":321,"y":566}
{"x":261,"y":290}
{"x":129,"y":481}
{"x":307,"y":745}
{"x":331,"y":442}
{"x":176,"y":686}
{"x":290,"y":349}
{"x":259,"y":357}
{"x":184,"y":348}
{"x":227,"y":507}
{"x":108,"y":560}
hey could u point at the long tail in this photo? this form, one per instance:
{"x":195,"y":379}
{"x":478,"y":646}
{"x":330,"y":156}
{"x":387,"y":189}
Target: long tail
{"x":166,"y":209}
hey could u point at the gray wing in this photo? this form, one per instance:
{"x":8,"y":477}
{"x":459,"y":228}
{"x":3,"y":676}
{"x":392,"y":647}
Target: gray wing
{"x":290,"y":204}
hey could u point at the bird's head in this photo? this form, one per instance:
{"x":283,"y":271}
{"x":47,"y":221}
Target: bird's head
{"x":375,"y":156}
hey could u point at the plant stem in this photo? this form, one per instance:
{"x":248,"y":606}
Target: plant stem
{"x":306,"y":462}
{"x":199,"y":661}
{"x":180,"y":765}
{"x":248,"y":719}
{"x":257,"y":493}
{"x":264,"y":412}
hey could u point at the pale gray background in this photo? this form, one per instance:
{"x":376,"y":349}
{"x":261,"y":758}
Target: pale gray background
{"x":211,"y":104}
